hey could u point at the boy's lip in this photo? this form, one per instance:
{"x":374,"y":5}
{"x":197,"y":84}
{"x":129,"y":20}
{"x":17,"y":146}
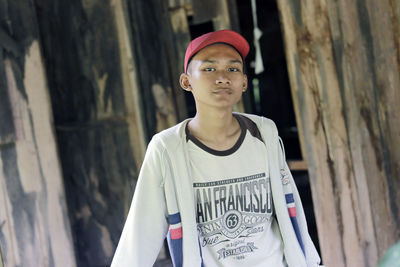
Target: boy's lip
{"x":222,"y":90}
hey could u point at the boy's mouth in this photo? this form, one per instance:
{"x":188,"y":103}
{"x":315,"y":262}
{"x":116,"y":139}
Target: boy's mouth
{"x":223,"y":91}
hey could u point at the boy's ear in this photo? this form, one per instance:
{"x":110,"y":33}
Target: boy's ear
{"x":245,"y":82}
{"x":185,"y":82}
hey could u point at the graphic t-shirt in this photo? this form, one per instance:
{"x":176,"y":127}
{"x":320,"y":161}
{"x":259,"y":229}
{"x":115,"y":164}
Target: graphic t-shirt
{"x":235,"y":216}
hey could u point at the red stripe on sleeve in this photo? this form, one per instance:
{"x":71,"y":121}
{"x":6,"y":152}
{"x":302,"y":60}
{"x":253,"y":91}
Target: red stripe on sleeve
{"x":292,"y":212}
{"x":176,"y":233}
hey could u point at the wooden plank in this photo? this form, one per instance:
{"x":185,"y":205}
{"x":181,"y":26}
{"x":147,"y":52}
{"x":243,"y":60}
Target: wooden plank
{"x":370,"y":113}
{"x":130,"y":82}
{"x":233,"y":15}
{"x":9,"y":239}
{"x":1,"y":259}
{"x":338,"y":60}
{"x":7,"y":128}
{"x":116,"y":53}
{"x":385,"y":62}
{"x":222,"y":20}
{"x":34,"y":228}
{"x":297,"y":165}
{"x":172,"y":4}
{"x":99,"y":117}
{"x":205,"y":10}
{"x":149,"y":20}
{"x":180,"y":39}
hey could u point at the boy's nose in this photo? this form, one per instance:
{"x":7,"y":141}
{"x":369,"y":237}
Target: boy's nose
{"x":223,"y":80}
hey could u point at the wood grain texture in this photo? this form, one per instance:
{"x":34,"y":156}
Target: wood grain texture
{"x":222,"y":20}
{"x":7,"y":128}
{"x":99,"y":117}
{"x":205,"y":10}
{"x":34,"y":228}
{"x":1,"y":259}
{"x":180,"y":38}
{"x":172,"y":4}
{"x":344,"y":73}
{"x":151,"y":33}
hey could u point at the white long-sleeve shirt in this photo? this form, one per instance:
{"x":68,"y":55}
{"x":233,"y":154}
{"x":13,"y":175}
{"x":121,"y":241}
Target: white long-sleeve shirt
{"x":163,"y":204}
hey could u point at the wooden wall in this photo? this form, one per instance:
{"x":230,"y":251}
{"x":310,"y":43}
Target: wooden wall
{"x":34,"y":226}
{"x":154,"y":50}
{"x":97,"y":101}
{"x":344,"y":66}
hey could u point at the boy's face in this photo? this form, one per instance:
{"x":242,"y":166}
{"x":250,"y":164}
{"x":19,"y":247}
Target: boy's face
{"x":215,"y":77}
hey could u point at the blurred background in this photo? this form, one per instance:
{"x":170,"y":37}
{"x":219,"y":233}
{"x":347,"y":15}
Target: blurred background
{"x":85,"y":84}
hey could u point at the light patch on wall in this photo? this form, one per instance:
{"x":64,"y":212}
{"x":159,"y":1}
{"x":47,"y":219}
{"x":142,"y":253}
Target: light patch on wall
{"x":165,"y":110}
{"x":106,"y":242}
{"x":103,"y":109}
{"x":7,"y":242}
{"x":28,"y":165}
{"x":130,"y":81}
{"x":38,"y":126}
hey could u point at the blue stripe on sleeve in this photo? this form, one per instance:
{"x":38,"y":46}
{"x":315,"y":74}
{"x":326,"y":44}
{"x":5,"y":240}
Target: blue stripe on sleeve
{"x":297,"y":231}
{"x":176,"y":250}
{"x":174,"y":218}
{"x":289,"y":198}
{"x":201,"y":254}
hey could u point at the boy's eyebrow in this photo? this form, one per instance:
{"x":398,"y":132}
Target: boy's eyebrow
{"x":236,"y":61}
{"x":215,"y":61}
{"x":209,"y":61}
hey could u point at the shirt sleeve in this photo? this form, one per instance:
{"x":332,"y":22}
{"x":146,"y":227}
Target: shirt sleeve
{"x":312,"y":257}
{"x":311,"y":254}
{"x":146,"y":225}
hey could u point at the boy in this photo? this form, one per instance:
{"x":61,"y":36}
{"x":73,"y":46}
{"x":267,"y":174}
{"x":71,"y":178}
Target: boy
{"x":217,"y":185}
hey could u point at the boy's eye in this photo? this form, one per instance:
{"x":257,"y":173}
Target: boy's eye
{"x":209,"y":69}
{"x":232,"y":69}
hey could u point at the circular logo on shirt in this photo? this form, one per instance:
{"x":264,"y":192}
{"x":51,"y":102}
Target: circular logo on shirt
{"x":232,"y":220}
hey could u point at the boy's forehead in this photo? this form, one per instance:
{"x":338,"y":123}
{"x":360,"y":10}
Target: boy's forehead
{"x":218,"y":50}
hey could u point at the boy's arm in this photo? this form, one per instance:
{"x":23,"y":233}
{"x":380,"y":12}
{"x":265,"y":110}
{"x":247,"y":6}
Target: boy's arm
{"x":312,"y":257}
{"x":146,"y":226}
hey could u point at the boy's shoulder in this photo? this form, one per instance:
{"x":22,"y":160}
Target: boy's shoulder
{"x":262,"y":123}
{"x":170,"y":137}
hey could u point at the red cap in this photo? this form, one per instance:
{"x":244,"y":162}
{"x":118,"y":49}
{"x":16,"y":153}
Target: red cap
{"x":223,"y":36}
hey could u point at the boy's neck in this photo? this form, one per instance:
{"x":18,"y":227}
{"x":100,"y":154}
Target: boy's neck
{"x":217,"y":130}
